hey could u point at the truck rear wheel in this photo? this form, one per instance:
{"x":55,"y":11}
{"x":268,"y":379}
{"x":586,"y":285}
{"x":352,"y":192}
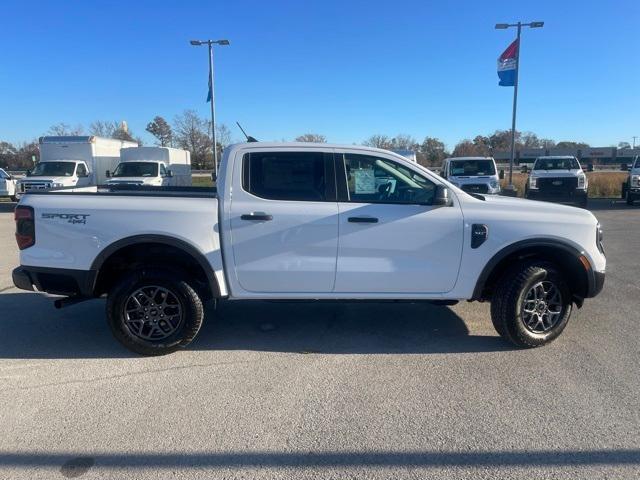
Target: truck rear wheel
{"x":531,"y":305}
{"x":154,"y":312}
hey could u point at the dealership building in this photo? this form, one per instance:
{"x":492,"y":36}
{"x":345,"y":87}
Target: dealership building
{"x":595,"y":155}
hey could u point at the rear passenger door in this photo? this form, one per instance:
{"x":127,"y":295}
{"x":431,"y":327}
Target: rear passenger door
{"x":284,"y":221}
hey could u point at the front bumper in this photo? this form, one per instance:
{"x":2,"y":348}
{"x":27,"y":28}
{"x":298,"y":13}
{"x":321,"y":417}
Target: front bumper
{"x":567,"y":196}
{"x":596,"y":284}
{"x":57,"y":281}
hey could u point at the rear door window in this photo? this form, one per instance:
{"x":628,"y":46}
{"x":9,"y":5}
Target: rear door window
{"x":295,"y":176}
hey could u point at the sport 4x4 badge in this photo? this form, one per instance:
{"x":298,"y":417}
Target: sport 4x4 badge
{"x":73,"y":218}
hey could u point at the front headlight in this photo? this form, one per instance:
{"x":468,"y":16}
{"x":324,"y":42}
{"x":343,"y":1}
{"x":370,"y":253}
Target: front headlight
{"x":533,"y":182}
{"x":635,"y":180}
{"x":494,"y":183}
{"x":57,"y":185}
{"x":582,"y":182}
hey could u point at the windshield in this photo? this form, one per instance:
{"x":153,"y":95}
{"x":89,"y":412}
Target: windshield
{"x":472,"y":167}
{"x":3,"y":174}
{"x":54,"y":169}
{"x":556,"y":164}
{"x":136,"y":169}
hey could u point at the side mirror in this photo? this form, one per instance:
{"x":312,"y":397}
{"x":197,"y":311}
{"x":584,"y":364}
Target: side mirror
{"x":169,"y":173}
{"x":213,"y":176}
{"x":28,"y":173}
{"x":442,"y":197}
{"x":107,"y":174}
{"x":524,"y":169}
{"x":624,"y":167}
{"x":590,"y":167}
{"x":501,"y":174}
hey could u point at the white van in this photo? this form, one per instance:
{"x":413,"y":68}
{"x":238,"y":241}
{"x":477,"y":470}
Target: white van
{"x":472,"y":174}
{"x":152,"y":166}
{"x":72,"y":161}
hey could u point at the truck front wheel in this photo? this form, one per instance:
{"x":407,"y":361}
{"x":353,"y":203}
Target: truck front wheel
{"x":531,"y":304}
{"x":154,"y":312}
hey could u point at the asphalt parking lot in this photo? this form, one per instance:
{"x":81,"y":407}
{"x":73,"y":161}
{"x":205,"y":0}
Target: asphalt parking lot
{"x":274,"y":390}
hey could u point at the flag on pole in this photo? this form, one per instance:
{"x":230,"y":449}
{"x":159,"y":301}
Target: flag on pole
{"x":210,"y":92}
{"x":507,"y":68}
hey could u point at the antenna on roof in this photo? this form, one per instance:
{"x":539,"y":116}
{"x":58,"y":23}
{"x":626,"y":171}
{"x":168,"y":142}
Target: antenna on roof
{"x":249,"y":138}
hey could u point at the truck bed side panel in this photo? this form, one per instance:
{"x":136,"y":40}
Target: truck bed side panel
{"x":64,"y":240}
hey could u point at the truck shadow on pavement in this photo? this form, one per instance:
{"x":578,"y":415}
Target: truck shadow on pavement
{"x":501,"y":459}
{"x":33,"y":328}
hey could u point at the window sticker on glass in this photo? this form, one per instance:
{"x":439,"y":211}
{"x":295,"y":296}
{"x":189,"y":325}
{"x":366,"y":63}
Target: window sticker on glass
{"x":365,"y":181}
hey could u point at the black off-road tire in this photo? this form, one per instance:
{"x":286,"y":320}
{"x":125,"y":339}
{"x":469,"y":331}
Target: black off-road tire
{"x":175,"y":283}
{"x":509,"y":295}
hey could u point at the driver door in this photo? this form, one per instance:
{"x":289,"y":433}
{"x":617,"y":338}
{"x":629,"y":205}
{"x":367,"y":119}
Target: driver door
{"x":392,"y":238}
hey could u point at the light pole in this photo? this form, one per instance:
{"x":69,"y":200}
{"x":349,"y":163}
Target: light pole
{"x":211,"y":96}
{"x":634,"y":142}
{"x":503,"y":26}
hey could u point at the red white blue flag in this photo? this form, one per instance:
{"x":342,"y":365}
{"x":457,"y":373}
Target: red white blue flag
{"x":507,"y":68}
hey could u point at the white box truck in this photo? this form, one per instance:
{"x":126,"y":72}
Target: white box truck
{"x":152,"y":166}
{"x":72,"y":161}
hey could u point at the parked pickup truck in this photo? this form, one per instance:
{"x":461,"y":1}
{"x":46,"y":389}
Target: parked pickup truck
{"x":313,"y":222}
{"x":558,"y":179}
{"x":631,"y":188}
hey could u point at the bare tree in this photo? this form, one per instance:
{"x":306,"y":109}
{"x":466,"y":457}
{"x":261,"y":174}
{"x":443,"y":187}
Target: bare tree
{"x":624,"y":145}
{"x":403,"y":141}
{"x":161,"y":129}
{"x":191,"y":132}
{"x":312,"y":137}
{"x":378,"y":141}
{"x":62,"y":130}
{"x":102,"y":128}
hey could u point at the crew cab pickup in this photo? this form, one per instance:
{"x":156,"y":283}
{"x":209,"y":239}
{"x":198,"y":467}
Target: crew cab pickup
{"x":307,"y":222}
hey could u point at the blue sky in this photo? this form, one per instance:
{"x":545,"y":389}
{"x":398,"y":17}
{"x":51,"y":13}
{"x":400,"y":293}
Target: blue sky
{"x":345,"y":69}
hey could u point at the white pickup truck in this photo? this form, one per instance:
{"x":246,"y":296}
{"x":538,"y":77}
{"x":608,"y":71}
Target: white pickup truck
{"x":314,"y":222}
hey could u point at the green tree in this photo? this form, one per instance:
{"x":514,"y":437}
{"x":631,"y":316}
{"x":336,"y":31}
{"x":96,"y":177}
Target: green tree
{"x":161,"y":129}
{"x":433,"y":151}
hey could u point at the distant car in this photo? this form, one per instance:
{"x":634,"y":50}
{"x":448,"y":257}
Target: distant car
{"x":631,"y":188}
{"x":558,"y":179}
{"x":7,"y":185}
{"x":472,"y":174}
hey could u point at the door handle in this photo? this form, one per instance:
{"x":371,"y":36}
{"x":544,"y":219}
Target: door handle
{"x":363,"y":220}
{"x":257,"y":216}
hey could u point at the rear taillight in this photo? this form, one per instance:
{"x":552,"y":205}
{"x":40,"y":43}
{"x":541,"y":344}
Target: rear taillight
{"x":25,"y":227}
